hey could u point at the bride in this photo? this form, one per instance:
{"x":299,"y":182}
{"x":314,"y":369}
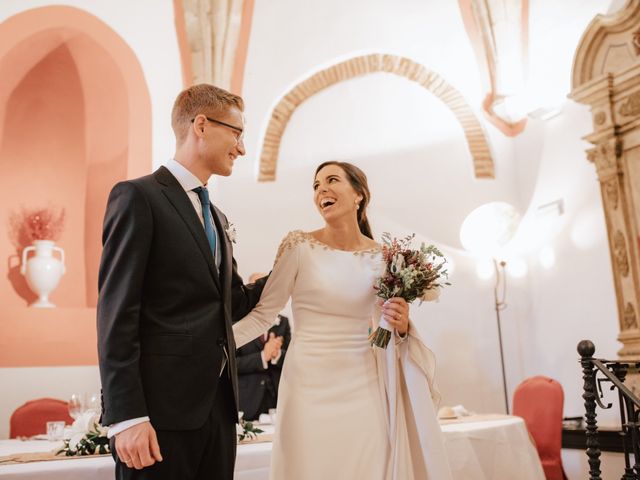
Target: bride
{"x":346,"y":410}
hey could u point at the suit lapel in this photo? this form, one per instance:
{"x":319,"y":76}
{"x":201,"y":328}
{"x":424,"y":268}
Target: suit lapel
{"x":225,"y":249}
{"x":180,"y":201}
{"x":226,"y":267}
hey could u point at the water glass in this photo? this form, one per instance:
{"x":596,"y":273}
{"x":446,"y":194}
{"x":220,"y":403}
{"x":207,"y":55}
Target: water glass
{"x":55,"y":431}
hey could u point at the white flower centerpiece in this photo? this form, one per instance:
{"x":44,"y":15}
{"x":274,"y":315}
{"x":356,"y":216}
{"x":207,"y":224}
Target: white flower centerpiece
{"x":88,"y":437}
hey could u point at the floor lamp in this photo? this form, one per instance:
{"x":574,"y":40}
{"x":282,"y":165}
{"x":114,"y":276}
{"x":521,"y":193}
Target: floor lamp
{"x":500,"y":304}
{"x":484,"y":232}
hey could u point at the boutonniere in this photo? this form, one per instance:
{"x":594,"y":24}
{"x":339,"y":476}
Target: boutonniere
{"x":230,"y":230}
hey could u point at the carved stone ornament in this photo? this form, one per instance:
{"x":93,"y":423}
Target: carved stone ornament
{"x":611,"y":190}
{"x":630,"y":320}
{"x":600,"y":117}
{"x":636,"y":41}
{"x":620,"y":251}
{"x":605,"y":154}
{"x":631,"y":106}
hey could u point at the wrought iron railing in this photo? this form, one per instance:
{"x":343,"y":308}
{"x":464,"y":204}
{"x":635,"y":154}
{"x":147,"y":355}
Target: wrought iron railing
{"x":597,"y":375}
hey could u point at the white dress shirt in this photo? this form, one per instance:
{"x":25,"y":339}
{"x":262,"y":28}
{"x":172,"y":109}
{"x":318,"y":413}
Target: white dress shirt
{"x":188,"y":181}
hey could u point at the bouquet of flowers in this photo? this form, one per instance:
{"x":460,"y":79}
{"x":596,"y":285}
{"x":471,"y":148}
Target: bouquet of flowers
{"x":88,"y":437}
{"x":409,"y":274}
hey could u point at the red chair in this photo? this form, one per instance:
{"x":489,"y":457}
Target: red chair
{"x":539,"y":401}
{"x":32,"y":417}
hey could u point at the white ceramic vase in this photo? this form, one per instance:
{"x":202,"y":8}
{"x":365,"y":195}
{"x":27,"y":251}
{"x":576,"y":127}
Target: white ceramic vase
{"x":42,"y":270}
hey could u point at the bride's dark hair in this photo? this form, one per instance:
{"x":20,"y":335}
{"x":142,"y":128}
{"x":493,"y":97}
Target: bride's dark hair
{"x":358,"y":181}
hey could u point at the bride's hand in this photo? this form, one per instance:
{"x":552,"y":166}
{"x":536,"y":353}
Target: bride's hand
{"x":396,"y":312}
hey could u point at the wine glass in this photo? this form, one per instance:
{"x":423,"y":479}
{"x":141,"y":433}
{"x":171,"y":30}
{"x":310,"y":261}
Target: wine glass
{"x":93,"y":404}
{"x":76,"y":406}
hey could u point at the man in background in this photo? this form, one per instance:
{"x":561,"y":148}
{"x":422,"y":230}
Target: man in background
{"x":260,"y":365}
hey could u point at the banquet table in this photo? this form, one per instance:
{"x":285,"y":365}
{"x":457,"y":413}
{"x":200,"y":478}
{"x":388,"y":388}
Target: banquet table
{"x":480,"y":448}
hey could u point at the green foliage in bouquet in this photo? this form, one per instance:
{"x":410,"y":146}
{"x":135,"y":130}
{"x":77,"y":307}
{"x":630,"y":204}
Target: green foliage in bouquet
{"x":410,"y":273}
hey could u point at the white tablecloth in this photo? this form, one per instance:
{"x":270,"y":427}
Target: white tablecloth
{"x":485,"y":450}
{"x":492,"y":450}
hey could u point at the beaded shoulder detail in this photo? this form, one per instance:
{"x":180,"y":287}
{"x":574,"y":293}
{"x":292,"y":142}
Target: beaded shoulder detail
{"x":297,"y":237}
{"x":290,"y":241}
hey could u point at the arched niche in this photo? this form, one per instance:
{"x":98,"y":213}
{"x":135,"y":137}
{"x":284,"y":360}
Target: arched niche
{"x":75,"y":118}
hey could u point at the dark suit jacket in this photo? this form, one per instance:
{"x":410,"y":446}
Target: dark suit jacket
{"x":164,"y":310}
{"x":254,"y":381}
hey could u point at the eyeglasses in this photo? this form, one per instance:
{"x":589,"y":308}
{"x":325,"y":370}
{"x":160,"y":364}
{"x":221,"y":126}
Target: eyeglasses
{"x":238,"y":130}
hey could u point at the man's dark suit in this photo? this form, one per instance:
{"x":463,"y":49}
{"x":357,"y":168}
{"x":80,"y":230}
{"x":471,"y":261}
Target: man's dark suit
{"x":259,"y":387}
{"x":165,"y":311}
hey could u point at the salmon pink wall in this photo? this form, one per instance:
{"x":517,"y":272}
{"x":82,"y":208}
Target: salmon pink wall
{"x":42,"y":156}
{"x":75,"y":117}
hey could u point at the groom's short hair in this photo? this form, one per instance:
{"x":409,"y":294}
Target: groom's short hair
{"x":203,"y":98}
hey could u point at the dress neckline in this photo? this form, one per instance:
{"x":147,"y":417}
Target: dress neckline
{"x":313,"y":239}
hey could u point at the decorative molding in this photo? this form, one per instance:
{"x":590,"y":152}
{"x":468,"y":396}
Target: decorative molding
{"x":611,"y":190}
{"x":630,"y":319}
{"x":606,"y":155}
{"x":631,"y":350}
{"x":636,"y":41}
{"x":588,"y":62}
{"x":363,"y":65}
{"x":631,"y":106}
{"x":600,"y":117}
{"x":620,"y":252}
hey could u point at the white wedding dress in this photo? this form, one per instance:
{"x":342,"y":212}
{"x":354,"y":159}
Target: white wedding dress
{"x":346,"y":410}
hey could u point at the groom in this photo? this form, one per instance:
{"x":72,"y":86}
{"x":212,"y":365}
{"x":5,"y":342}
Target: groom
{"x":168,"y":289}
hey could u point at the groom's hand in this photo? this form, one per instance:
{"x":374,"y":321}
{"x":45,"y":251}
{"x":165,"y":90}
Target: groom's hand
{"x":138,"y":446}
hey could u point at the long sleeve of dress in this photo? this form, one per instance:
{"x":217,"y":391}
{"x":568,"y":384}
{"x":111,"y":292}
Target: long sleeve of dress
{"x":275,"y":295}
{"x":407,"y":381}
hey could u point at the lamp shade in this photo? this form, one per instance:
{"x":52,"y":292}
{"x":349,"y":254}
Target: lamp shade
{"x":489,"y":227}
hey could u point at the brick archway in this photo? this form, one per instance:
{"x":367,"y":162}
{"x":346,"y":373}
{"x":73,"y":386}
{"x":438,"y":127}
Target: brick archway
{"x":281,"y":114}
